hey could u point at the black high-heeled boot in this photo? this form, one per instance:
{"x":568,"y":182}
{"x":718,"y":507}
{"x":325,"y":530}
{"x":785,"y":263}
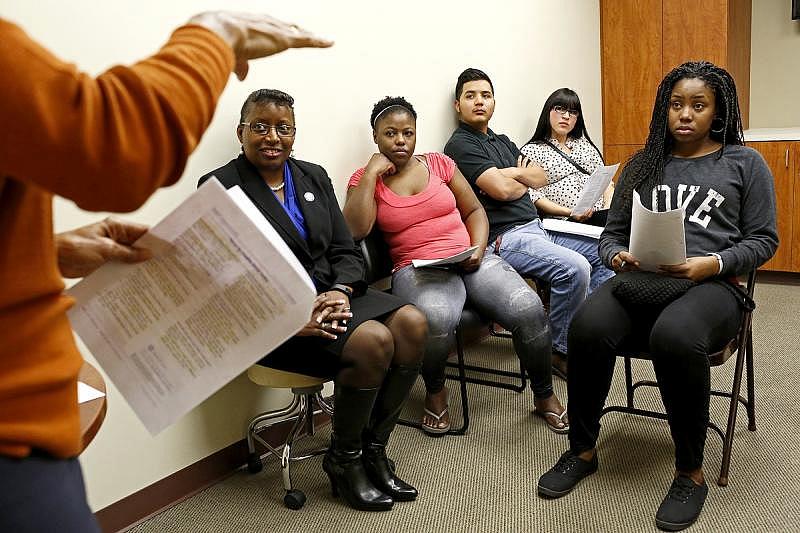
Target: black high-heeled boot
{"x":394,"y":391}
{"x":342,"y":463}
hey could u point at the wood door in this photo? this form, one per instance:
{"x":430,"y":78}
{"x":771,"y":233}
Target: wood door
{"x":694,"y":30}
{"x":780,"y":158}
{"x":619,"y":153}
{"x":630,"y":44}
{"x":710,"y":30}
{"x":795,"y":178}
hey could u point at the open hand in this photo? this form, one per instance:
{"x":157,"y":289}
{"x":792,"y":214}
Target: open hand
{"x":252,"y":36}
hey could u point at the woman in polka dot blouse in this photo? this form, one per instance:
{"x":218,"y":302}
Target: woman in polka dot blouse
{"x":561,"y":127}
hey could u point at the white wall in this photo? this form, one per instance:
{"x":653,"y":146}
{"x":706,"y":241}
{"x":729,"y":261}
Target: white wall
{"x":775,"y":66}
{"x":415,"y":49}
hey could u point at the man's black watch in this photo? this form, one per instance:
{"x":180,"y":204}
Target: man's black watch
{"x":343,"y":288}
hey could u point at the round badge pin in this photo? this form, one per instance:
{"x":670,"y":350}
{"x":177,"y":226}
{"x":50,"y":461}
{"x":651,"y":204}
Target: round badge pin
{"x":309,"y":196}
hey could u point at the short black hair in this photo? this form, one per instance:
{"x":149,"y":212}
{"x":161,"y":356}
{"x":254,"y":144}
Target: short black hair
{"x":386,"y":103}
{"x":266,"y":96}
{"x":471,"y":74}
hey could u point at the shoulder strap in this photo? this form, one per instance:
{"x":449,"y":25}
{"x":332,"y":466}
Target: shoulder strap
{"x":568,"y":158}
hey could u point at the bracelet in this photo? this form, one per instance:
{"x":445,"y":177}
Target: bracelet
{"x":343,"y":289}
{"x":719,"y":261}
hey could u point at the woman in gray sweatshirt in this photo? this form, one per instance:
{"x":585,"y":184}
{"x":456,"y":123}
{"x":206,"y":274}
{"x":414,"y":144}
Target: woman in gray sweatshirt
{"x":695,"y":158}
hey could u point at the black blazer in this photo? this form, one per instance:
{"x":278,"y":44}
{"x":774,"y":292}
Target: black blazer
{"x":329,"y":255}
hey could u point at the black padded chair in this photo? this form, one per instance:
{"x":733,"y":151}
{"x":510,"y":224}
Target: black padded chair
{"x":378,"y":274}
{"x":742,"y":346}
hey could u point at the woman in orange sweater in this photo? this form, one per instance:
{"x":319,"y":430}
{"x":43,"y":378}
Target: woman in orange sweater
{"x":105,"y":143}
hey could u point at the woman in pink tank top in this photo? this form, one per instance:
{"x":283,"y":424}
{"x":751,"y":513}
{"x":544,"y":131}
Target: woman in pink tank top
{"x":425,"y":209}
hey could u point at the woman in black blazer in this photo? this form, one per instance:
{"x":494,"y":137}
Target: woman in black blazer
{"x":369,"y":341}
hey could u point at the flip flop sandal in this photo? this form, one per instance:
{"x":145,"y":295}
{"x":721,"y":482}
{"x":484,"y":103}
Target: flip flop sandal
{"x":435,"y":430}
{"x":555,"y":429}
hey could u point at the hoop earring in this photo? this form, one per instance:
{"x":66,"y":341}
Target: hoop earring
{"x":720,"y":129}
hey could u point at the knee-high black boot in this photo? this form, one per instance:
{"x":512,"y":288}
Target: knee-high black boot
{"x":351,"y":411}
{"x":391,"y":398}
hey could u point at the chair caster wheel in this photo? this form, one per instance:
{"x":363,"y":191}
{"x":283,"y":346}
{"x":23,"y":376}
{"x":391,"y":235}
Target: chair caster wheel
{"x":254,"y":464}
{"x":294,"y":499}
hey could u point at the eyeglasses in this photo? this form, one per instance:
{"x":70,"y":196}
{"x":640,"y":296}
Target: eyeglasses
{"x":561,"y":110}
{"x":259,"y":128}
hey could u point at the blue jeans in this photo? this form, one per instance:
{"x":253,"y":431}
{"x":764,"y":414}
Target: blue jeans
{"x":498,"y":293}
{"x":569,"y":263}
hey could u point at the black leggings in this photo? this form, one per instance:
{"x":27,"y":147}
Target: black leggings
{"x":678,"y":340}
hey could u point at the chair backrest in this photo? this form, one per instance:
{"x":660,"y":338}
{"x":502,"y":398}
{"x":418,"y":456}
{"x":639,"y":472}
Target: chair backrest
{"x":377,"y":261}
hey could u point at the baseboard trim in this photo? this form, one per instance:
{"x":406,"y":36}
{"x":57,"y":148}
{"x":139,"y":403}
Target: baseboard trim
{"x":185,"y":483}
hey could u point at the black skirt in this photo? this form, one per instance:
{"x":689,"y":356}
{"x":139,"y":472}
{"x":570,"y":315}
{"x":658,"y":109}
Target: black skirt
{"x":315,"y":356}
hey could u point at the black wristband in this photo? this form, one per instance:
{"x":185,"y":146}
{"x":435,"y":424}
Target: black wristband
{"x":343,"y":289}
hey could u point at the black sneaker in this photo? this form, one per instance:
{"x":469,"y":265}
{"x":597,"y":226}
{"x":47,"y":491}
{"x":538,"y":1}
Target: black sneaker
{"x":568,"y":471}
{"x":681,"y":505}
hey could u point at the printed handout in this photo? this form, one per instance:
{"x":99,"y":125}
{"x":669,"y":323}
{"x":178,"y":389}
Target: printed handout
{"x":594,"y":188}
{"x":445,"y":261}
{"x":657,"y":238}
{"x":576,"y":228}
{"x":221,"y":291}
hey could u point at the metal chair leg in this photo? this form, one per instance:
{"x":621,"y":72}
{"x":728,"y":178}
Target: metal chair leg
{"x":751,"y":390}
{"x":263,"y":421}
{"x":737,"y":385}
{"x":286,"y":455}
{"x":629,"y":388}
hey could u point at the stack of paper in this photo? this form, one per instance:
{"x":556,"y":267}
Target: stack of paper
{"x":222,"y":291}
{"x":444,"y":261}
{"x":657,"y":238}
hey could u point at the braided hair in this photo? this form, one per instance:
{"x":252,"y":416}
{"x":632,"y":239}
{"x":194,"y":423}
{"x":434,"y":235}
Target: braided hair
{"x":645,"y":169}
{"x":569,"y":99}
{"x":386,"y":103}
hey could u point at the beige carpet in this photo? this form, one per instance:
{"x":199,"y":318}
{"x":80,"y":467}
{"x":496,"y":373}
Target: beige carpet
{"x":486,"y":480}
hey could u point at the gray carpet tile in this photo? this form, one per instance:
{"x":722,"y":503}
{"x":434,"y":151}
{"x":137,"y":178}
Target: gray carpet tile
{"x":486,"y":480}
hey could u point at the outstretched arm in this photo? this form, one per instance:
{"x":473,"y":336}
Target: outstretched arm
{"x":108,"y":142}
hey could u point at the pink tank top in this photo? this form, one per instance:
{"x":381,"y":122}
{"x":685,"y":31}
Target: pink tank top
{"x":426,"y":225}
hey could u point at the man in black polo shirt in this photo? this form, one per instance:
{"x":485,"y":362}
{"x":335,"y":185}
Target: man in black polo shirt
{"x":500,"y":176}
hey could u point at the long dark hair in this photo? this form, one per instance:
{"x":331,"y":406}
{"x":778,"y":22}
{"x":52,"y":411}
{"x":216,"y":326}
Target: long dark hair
{"x":645,"y":168}
{"x":567,"y":98}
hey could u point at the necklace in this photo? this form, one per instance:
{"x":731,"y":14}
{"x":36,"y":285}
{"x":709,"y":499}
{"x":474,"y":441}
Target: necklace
{"x":279,"y":187}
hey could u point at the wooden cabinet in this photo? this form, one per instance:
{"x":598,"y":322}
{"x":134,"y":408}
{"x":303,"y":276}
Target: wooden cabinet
{"x":642,"y":40}
{"x":620,"y":153}
{"x":630,"y":39}
{"x":783,"y":158}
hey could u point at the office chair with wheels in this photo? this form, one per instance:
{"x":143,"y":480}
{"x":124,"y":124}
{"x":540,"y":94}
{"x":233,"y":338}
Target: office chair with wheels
{"x":307,"y":401}
{"x":742,"y":346}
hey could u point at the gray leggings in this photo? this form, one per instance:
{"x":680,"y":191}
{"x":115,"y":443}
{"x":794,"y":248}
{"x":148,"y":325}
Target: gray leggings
{"x":498,"y":293}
